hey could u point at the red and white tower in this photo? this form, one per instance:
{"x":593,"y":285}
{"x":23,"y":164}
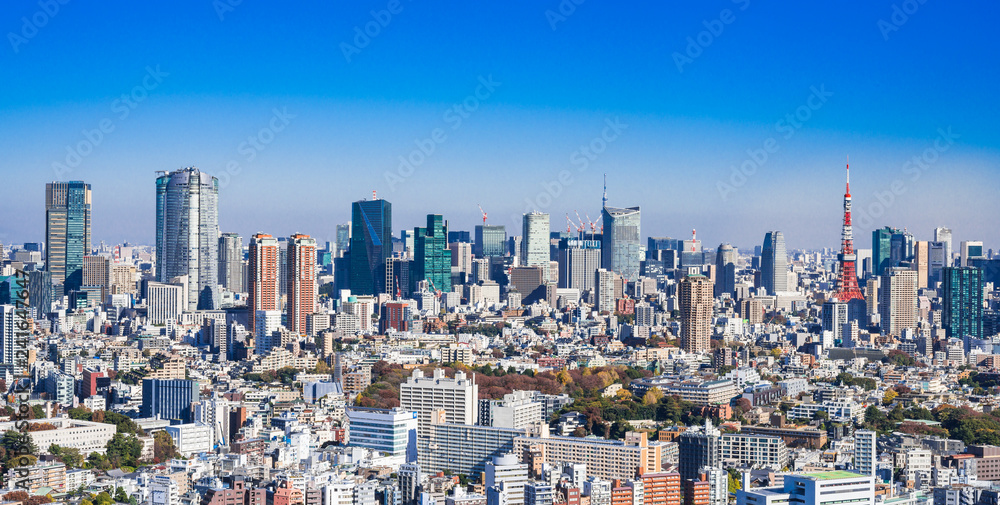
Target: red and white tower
{"x":847,"y":283}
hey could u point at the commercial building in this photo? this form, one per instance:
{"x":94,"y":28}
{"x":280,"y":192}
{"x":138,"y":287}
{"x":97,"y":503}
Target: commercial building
{"x":962,"y":294}
{"x":431,"y":255}
{"x":757,"y":451}
{"x":695,"y":297}
{"x":898,"y":301}
{"x":822,"y":488}
{"x":774,"y":263}
{"x":392,"y":432}
{"x":620,"y":244}
{"x":578,"y":261}
{"x":512,"y":473}
{"x":191,"y":438}
{"x":535,"y":241}
{"x":67,"y":231}
{"x":187,"y":234}
{"x":698,"y":447}
{"x":725,"y":270}
{"x":491,"y":241}
{"x":371,"y":246}
{"x":169,"y":399}
{"x":457,"y":396}
{"x":231,"y":262}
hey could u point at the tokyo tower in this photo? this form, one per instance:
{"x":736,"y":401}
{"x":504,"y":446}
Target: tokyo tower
{"x":847,"y":283}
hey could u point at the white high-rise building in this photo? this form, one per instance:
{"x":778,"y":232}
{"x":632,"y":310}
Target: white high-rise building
{"x":865,"y":455}
{"x":604,"y":290}
{"x":898,"y":303}
{"x":943,"y":235}
{"x":512,"y":473}
{"x":971,"y":249}
{"x":458,"y":397}
{"x":834,"y":317}
{"x":535,"y":242}
{"x":164,"y":302}
{"x":231,"y":262}
{"x":187,"y":234}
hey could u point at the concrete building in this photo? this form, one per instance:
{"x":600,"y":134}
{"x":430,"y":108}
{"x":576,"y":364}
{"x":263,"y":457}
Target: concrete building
{"x":865,"y":452}
{"x":605,"y":459}
{"x":392,"y":432}
{"x":898,"y":302}
{"x":695,"y":297}
{"x":512,"y":473}
{"x":814,"y":489}
{"x":192,"y":438}
{"x":458,"y":397}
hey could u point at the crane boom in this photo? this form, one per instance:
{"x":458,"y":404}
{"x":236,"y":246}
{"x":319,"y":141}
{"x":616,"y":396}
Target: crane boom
{"x":484,"y":213}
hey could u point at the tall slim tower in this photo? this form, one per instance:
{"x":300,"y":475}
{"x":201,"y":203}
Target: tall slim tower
{"x":847,"y":282}
{"x":262,"y":277}
{"x":301,"y":281}
{"x":67,"y":231}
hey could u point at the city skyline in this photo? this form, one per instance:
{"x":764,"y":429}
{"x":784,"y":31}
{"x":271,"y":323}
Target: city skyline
{"x":669,"y":132}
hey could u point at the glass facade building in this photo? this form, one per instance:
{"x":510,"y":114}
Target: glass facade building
{"x":491,"y":241}
{"x":774,"y":263}
{"x":962,"y":314}
{"x":67,"y":231}
{"x":371,"y":245}
{"x":431,"y":255}
{"x":169,"y":399}
{"x":620,"y":245}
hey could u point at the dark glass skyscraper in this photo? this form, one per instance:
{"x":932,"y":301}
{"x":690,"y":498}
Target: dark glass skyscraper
{"x":169,"y":399}
{"x":725,"y":270}
{"x":187,"y":234}
{"x":371,"y":245}
{"x":431,"y":256}
{"x":491,"y":241}
{"x":882,"y":249}
{"x":774,"y":263}
{"x":67,"y":231}
{"x":620,"y":246}
{"x":962,"y":314}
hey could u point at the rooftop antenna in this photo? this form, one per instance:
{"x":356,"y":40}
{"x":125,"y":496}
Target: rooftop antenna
{"x":694,"y":235}
{"x":604,"y":200}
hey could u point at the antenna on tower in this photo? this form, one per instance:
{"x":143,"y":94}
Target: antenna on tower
{"x":848,"y":174}
{"x":373,"y":195}
{"x":604,"y":200}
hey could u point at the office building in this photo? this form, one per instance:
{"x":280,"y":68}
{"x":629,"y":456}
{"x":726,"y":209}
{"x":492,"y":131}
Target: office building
{"x":865,"y":452}
{"x":943,"y":235}
{"x":695,"y":297}
{"x":921,"y":262}
{"x":389,"y":431}
{"x":604,"y":459}
{"x":535,"y":241}
{"x":698,"y":447}
{"x":691,"y":253}
{"x":67,"y":231}
{"x":620,"y":242}
{"x":231,"y":262}
{"x":755,"y":451}
{"x":187,"y":234}
{"x":191,"y":438}
{"x":512,"y":473}
{"x":371,"y":246}
{"x":971,"y":249}
{"x":97,"y":274}
{"x":41,"y":293}
{"x":431,"y":255}
{"x":491,"y":241}
{"x":725,"y":270}
{"x":774,"y":263}
{"x":962,"y":296}
{"x":578,"y":261}
{"x":301,"y":281}
{"x":881,"y":249}
{"x":169,"y":399}
{"x":604,"y":290}
{"x":821,"y":488}
{"x":164,"y":302}
{"x":262,"y":277}
{"x":530,"y":283}
{"x":901,"y":248}
{"x":834,"y":319}
{"x":458,"y":397}
{"x":538,"y":493}
{"x":937,"y":260}
{"x":898,"y":302}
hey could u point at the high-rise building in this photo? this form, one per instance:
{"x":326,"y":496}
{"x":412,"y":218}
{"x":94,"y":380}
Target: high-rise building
{"x":921,"y":261}
{"x":535,"y":241}
{"x":691,"y":253}
{"x":97,"y":274}
{"x":620,"y":244}
{"x":301,"y":281}
{"x":774,"y":263}
{"x":695,"y":297}
{"x":187,"y":233}
{"x":901,"y":247}
{"x":371,"y":246}
{"x":343,"y":242}
{"x":834,"y":318}
{"x":943,"y":235}
{"x":431,"y":256}
{"x":898,"y":303}
{"x":491,"y":241}
{"x":67,"y":231}
{"x":231,"y":262}
{"x":262,"y":277}
{"x":937,"y":260}
{"x":725,"y":270}
{"x":604,"y":290}
{"x":169,"y":399}
{"x":578,"y":260}
{"x":458,"y":397}
{"x":698,"y":447}
{"x":512,"y":473}
{"x":40,"y":293}
{"x":971,"y":249}
{"x":865,"y":452}
{"x":962,"y":314}
{"x":881,"y":249}
{"x":393,"y":432}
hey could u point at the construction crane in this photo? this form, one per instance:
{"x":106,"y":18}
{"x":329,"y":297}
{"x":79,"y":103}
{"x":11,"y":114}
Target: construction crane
{"x":593,"y":224}
{"x":582,"y":226}
{"x":569,"y":224}
{"x":484,"y":214}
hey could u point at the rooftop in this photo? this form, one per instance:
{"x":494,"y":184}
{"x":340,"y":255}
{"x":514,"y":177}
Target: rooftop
{"x":837,"y":474}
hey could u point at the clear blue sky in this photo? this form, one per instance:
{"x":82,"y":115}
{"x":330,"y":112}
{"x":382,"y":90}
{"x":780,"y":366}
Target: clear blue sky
{"x":885,"y":100}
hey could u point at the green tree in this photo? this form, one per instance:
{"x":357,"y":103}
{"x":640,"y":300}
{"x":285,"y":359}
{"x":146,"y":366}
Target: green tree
{"x":124,"y":450}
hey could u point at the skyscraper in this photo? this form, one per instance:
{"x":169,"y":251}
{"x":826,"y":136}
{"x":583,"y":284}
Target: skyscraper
{"x":301,"y":281}
{"x":431,"y":256}
{"x":535,"y":241}
{"x":881,"y":249}
{"x":937,"y":260}
{"x":725,"y":270}
{"x":942,"y":234}
{"x":620,"y":245}
{"x":901,"y":247}
{"x":187,"y":233}
{"x":962,"y":314}
{"x":774,"y":263}
{"x":971,"y":249}
{"x":343,"y":238}
{"x":695,"y":297}
{"x":491,"y":241}
{"x":921,"y":261}
{"x":231,"y":262}
{"x":604,"y":290}
{"x":898,"y":303}
{"x":67,"y":231}
{"x":262,"y":277}
{"x":578,"y":260}
{"x":371,"y":245}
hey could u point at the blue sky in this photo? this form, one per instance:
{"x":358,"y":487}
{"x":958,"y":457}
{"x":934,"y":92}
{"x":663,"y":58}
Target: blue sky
{"x":889,"y":86}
